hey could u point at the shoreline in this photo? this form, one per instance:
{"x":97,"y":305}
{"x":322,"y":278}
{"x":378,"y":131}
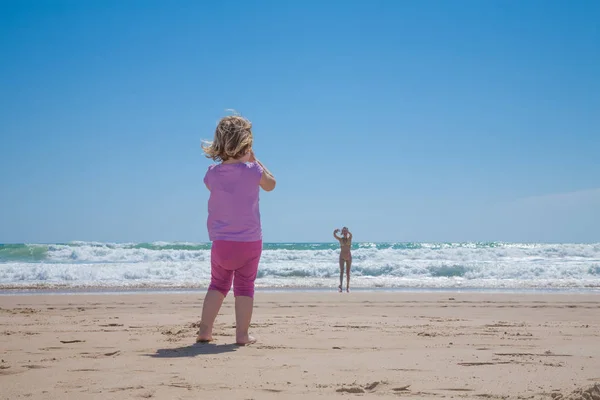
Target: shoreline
{"x":99,"y":290}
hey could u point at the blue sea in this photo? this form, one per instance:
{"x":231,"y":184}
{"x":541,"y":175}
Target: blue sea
{"x":486,"y":266}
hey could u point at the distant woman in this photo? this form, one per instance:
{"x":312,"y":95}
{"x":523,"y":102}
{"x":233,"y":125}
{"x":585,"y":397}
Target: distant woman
{"x":345,"y":255}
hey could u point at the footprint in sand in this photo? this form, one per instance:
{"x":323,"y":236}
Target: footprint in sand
{"x":354,"y":389}
{"x":370,"y":388}
{"x":589,"y":393}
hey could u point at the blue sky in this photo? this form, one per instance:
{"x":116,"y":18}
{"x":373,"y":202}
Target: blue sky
{"x":404,"y":120}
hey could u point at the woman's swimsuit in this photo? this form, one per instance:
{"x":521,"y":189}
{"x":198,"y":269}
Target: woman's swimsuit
{"x":345,"y":244}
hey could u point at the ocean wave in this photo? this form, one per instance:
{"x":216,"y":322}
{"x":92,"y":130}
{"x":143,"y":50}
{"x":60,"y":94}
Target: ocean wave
{"x":22,"y":252}
{"x":163,"y":264}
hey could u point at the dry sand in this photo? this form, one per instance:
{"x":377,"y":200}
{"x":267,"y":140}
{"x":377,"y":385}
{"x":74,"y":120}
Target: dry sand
{"x":311,"y":346}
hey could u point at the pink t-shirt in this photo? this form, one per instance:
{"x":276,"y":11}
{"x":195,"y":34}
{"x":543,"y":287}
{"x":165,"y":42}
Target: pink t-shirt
{"x":233,"y":211}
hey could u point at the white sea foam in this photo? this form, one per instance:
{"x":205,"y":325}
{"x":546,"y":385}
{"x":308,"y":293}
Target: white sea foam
{"x":418,"y":265}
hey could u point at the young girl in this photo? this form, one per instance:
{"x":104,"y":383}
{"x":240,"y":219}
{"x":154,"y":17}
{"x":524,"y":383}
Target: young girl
{"x":233,"y":223}
{"x":345,"y":255}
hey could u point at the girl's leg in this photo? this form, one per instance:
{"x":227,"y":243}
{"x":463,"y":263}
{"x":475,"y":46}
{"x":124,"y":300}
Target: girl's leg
{"x":243,"y":317}
{"x":341,"y":274}
{"x":220,"y":283}
{"x":210,"y":309}
{"x":348,"y":265}
{"x":243,"y":289}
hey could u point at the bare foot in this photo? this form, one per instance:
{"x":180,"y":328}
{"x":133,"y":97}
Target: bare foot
{"x":347,"y":290}
{"x":340,"y":288}
{"x":204,"y":335}
{"x":245,"y":340}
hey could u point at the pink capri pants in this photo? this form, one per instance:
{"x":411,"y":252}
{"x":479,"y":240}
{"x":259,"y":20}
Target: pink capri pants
{"x":237,"y":262}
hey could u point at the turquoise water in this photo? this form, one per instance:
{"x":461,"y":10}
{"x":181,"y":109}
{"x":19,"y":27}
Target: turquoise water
{"x":38,"y":252}
{"x":476,"y":265}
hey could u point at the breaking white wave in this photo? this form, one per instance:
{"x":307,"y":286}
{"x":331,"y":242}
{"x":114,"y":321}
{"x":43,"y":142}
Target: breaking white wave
{"x":388,"y":265}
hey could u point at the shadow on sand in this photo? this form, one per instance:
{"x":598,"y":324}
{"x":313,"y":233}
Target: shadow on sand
{"x":197,"y":349}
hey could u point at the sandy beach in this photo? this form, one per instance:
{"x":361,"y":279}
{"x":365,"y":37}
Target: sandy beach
{"x":311,"y":345}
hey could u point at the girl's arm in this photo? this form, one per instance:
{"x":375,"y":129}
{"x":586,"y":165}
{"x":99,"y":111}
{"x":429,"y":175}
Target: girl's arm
{"x":267,"y":180}
{"x":335,"y":234}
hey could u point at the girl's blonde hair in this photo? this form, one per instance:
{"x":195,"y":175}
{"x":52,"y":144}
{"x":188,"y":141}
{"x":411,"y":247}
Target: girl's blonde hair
{"x":233,"y":139}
